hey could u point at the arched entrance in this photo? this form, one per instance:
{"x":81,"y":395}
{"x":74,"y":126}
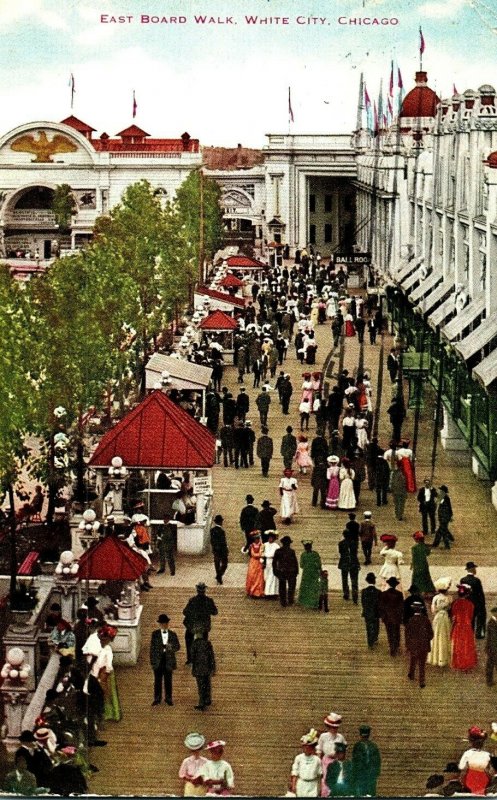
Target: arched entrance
{"x":29,"y":225}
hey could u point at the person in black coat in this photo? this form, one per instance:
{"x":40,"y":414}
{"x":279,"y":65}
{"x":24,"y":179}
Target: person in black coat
{"x":286,"y":394}
{"x":393,"y":364}
{"x":360,"y":324}
{"x":372,"y":330}
{"x":264,"y":452}
{"x":334,"y":408}
{"x":397,"y":412}
{"x":38,"y":761}
{"x":219,"y":547}
{"x":240,"y":440}
{"x":427,"y":501}
{"x":319,"y":481}
{"x":319,"y":447}
{"x":414,"y":598}
{"x":286,"y":569}
{"x":203,"y":667}
{"x":391,"y":609}
{"x":197,"y":614}
{"x":248,"y":519}
{"x":381,"y":479}
{"x":242,"y":404}
{"x":348,"y":564}
{"x":370,"y":599}
{"x":419,"y":634}
{"x":477,"y":598}
{"x":164,"y":645}
{"x":66,"y":778}
{"x":444,"y":517}
{"x":229,"y":409}
{"x":226,"y":435}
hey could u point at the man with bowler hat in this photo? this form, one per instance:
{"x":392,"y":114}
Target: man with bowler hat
{"x":164,"y":645}
{"x":419,"y":634}
{"x":286,"y":568}
{"x":370,"y":601}
{"x":219,"y":548}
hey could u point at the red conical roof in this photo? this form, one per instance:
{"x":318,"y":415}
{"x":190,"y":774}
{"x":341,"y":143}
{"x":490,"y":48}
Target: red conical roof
{"x":157,"y":434}
{"x":218,"y":321}
{"x":77,"y":124}
{"x":111,"y":560}
{"x":420,"y":101}
{"x":231,"y":280}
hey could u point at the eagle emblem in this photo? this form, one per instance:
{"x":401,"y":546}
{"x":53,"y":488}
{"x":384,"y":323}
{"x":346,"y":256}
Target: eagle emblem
{"x":42,"y":148}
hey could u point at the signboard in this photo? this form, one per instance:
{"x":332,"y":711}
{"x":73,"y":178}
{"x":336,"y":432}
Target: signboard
{"x":201,"y":484}
{"x":352,"y":261}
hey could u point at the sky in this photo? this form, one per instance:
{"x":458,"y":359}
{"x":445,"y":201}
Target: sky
{"x":227,"y":82}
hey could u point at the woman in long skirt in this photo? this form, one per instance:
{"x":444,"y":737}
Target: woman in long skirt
{"x":306,"y":772}
{"x":254,"y":584}
{"x":392,"y":559}
{"x":271,"y":582}
{"x":462,"y":635}
{"x":420,"y":570}
{"x":346,"y":499}
{"x":103,"y":670}
{"x":439,"y":655}
{"x":405,"y":459}
{"x":332,"y":474}
{"x":310,"y":564}
{"x":302,"y":456}
{"x":288,"y":492}
{"x":349,"y":325}
{"x":475,"y":764}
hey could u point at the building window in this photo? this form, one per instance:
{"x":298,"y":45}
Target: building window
{"x":312,"y":234}
{"x":327,"y":203}
{"x":312,"y":203}
{"x":327,"y":232}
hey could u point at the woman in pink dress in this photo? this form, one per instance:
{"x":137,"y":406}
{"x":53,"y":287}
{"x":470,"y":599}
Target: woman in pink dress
{"x":307,"y":389}
{"x":464,"y":655}
{"x":406,"y":463}
{"x":254,"y":584}
{"x":332,"y":474}
{"x":302,"y":456}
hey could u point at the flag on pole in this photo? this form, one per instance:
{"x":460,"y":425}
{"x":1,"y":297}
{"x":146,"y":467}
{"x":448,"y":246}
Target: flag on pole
{"x":134,"y":104}
{"x":375,"y":119}
{"x":72,"y":87}
{"x":290,"y":109}
{"x":421,"y":42}
{"x":400,"y":86}
{"x":390,"y":88}
{"x":454,"y":90}
{"x":389,"y":110}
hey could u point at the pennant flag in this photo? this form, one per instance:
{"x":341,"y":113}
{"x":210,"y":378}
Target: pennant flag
{"x":381,"y":108}
{"x":390,"y":90}
{"x":134,"y":104}
{"x":454,"y":90}
{"x":72,"y":87}
{"x":290,"y":109}
{"x":389,"y":109}
{"x":375,"y":119}
{"x":367,"y":99}
{"x":399,"y":79}
{"x":421,"y":42}
{"x":400,"y":86}
{"x":369,"y":110}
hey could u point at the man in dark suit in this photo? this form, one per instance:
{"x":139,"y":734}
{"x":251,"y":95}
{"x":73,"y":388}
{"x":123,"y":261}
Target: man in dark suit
{"x":393,"y":364}
{"x":478,"y":598}
{"x":391,"y":607}
{"x":37,"y":759}
{"x":370,"y":598}
{"x":286,"y":568}
{"x":491,"y":647}
{"x":444,"y":511}
{"x":164,"y":645}
{"x":197,"y":614}
{"x":427,"y":500}
{"x":419,"y":634}
{"x":348,"y":565}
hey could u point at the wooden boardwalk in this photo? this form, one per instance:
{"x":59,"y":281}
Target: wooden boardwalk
{"x":280,"y":671}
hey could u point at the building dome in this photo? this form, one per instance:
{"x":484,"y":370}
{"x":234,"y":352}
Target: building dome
{"x":491,"y":160}
{"x":420,"y":101}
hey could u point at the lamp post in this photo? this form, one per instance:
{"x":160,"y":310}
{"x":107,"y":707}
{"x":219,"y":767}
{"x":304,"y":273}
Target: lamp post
{"x":117,"y":478}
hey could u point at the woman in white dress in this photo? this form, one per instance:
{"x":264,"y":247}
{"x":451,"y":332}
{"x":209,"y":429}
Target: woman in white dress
{"x":306,"y":772}
{"x":271,"y":582}
{"x":326,"y":746}
{"x":331,"y":305}
{"x":288,"y":491}
{"x":392,"y":560}
{"x":346,"y":499}
{"x":440,"y":651}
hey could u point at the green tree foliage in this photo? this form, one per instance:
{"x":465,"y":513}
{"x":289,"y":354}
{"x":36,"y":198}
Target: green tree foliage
{"x":64,"y":206}
{"x":198,"y":205}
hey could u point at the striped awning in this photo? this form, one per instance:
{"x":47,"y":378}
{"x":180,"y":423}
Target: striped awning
{"x":477,"y":339}
{"x":465,"y":318}
{"x":425,"y":286}
{"x":438,"y":294}
{"x":406,"y":283}
{"x":486,"y":371}
{"x":441,"y":313}
{"x":406,"y":267}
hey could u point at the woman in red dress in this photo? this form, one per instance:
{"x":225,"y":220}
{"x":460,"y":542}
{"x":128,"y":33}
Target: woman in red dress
{"x":254,"y":585}
{"x":406,"y":463}
{"x":349,"y":325}
{"x":462,"y":635}
{"x":475,"y":764}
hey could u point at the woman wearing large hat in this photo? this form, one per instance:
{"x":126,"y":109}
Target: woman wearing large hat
{"x":439,"y":655}
{"x":271,"y":583}
{"x":306,"y":769}
{"x":327,"y":743}
{"x":191,"y":767}
{"x":419,"y":564}
{"x":254,"y":584}
{"x":332,"y":474}
{"x":464,"y":655}
{"x":475,"y":763}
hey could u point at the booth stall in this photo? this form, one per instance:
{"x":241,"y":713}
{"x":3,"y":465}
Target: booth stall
{"x":223,"y":328}
{"x":177,"y":373}
{"x":161,"y":444}
{"x":110,"y":559}
{"x":232,"y":284}
{"x":206,"y":299}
